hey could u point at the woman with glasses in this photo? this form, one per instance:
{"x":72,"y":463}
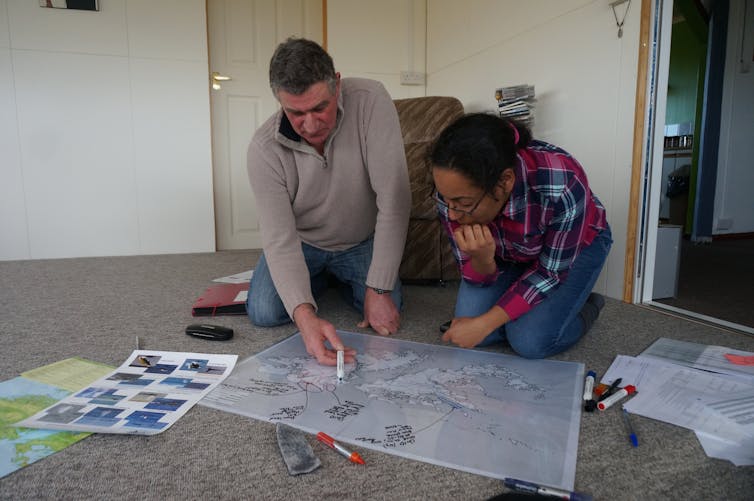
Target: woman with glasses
{"x":529,"y":236}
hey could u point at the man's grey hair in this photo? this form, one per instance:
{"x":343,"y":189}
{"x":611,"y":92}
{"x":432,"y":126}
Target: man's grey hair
{"x":299,"y":63}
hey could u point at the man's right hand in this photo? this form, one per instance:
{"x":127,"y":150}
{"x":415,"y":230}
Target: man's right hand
{"x":315,"y":331}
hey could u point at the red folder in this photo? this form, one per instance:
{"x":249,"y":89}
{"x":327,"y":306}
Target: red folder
{"x":222,"y":299}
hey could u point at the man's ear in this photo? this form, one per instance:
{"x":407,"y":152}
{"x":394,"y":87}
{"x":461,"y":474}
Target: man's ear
{"x":337,"y":83}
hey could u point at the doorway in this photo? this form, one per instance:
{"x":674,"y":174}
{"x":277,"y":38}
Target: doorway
{"x":242,"y":36}
{"x":697,"y":263}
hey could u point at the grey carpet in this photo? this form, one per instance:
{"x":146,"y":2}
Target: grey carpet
{"x":95,"y":307}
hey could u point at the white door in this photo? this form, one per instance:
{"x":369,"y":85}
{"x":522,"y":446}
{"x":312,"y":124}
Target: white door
{"x":242,"y":36}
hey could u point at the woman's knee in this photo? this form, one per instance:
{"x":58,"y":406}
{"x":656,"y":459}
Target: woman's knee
{"x":532,"y":347}
{"x":537,"y":338}
{"x":542,"y":343}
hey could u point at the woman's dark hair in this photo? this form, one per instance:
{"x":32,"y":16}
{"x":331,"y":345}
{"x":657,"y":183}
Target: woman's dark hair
{"x":479,"y":146}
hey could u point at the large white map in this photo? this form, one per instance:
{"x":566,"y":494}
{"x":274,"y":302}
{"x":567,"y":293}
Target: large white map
{"x":486,"y":413}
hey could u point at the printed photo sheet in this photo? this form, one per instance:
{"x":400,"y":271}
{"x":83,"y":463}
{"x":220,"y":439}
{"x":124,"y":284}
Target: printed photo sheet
{"x":149,"y":392}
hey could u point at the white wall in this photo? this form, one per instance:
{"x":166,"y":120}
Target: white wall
{"x":585,"y":76}
{"x":104,"y":130}
{"x":14,"y":239}
{"x":735,"y":175}
{"x":378,"y":40}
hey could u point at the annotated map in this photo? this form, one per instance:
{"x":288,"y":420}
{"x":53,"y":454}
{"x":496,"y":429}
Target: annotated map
{"x":487,"y":413}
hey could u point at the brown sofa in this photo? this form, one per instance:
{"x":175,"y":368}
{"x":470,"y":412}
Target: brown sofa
{"x":427,"y":257}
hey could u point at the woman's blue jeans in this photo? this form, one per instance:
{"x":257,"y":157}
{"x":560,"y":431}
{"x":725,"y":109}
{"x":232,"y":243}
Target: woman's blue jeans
{"x":264,"y":306}
{"x":552,"y":326}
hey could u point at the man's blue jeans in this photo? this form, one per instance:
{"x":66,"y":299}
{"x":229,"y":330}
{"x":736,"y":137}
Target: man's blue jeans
{"x":264,"y":306}
{"x":552,"y":326}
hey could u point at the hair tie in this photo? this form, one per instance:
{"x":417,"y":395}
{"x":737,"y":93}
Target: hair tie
{"x":516,"y":137}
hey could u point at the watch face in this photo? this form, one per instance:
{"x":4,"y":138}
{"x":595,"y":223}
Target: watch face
{"x":381,"y":291}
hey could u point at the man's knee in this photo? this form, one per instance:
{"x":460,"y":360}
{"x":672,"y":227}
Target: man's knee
{"x":261,"y":315}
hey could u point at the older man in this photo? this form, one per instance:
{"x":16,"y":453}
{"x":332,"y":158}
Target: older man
{"x":329,"y":175}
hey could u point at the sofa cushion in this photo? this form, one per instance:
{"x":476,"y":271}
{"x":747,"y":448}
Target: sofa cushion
{"x":422,"y":119}
{"x":427,"y":256}
{"x":422,"y":186}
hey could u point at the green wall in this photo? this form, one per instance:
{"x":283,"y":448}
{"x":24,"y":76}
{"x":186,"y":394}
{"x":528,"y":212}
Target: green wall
{"x":686,"y":58}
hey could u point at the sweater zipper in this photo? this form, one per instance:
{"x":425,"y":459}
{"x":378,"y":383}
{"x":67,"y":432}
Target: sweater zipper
{"x":324,"y":158}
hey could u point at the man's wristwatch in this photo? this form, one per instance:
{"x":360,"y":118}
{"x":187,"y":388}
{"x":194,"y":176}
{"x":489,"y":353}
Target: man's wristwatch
{"x":380,"y":291}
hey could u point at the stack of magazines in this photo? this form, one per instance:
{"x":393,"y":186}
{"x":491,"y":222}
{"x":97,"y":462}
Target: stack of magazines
{"x":516,"y":103}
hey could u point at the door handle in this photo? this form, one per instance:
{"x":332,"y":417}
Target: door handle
{"x":217,"y":78}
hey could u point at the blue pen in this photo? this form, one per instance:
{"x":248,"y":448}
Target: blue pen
{"x":524,"y":486}
{"x":631,"y":433}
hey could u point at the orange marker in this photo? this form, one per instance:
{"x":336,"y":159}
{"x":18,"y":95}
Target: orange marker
{"x":331,"y":443}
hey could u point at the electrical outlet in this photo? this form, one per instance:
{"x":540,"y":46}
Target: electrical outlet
{"x":412,"y":78}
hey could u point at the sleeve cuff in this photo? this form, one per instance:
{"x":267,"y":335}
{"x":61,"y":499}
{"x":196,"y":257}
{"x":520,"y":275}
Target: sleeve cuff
{"x":470,"y":274}
{"x":514,"y":305}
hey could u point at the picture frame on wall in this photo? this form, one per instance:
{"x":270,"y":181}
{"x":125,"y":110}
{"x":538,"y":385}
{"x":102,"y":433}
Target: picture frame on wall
{"x":70,"y":4}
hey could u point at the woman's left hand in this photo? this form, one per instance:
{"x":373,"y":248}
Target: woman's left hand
{"x":466,"y":332}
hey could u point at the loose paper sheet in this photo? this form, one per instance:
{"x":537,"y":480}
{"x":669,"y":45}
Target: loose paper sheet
{"x":486,"y":413}
{"x":149,"y":392}
{"x":738,"y":453}
{"x":239,"y":278}
{"x":717,"y":404}
{"x":701,"y":356}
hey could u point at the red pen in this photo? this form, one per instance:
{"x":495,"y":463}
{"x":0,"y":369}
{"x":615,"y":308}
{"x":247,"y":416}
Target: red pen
{"x":331,"y":443}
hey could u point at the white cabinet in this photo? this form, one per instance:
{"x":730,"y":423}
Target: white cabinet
{"x":667,"y":261}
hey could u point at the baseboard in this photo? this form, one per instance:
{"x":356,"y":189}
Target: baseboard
{"x":733,"y":236}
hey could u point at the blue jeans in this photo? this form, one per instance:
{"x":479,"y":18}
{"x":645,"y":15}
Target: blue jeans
{"x":264,"y":306}
{"x":553,"y":325}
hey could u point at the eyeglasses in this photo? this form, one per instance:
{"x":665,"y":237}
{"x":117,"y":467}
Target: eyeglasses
{"x":443,"y":203}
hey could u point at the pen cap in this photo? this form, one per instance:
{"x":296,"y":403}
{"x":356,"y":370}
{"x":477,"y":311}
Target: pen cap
{"x":601,"y":388}
{"x":589,"y":385}
{"x":580,"y":496}
{"x":616,"y":397}
{"x":634,"y":439}
{"x":326,"y":439}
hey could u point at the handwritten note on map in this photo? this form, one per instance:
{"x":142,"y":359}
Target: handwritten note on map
{"x":486,"y":413}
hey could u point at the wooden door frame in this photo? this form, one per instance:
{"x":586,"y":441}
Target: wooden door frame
{"x":637,"y":156}
{"x":324,"y":24}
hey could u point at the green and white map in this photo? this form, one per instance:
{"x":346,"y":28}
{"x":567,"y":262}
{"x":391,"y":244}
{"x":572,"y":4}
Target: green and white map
{"x":19,"y":399}
{"x":28,"y":394}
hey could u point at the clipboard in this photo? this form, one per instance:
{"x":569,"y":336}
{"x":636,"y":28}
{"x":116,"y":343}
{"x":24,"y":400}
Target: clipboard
{"x":222,"y":299}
